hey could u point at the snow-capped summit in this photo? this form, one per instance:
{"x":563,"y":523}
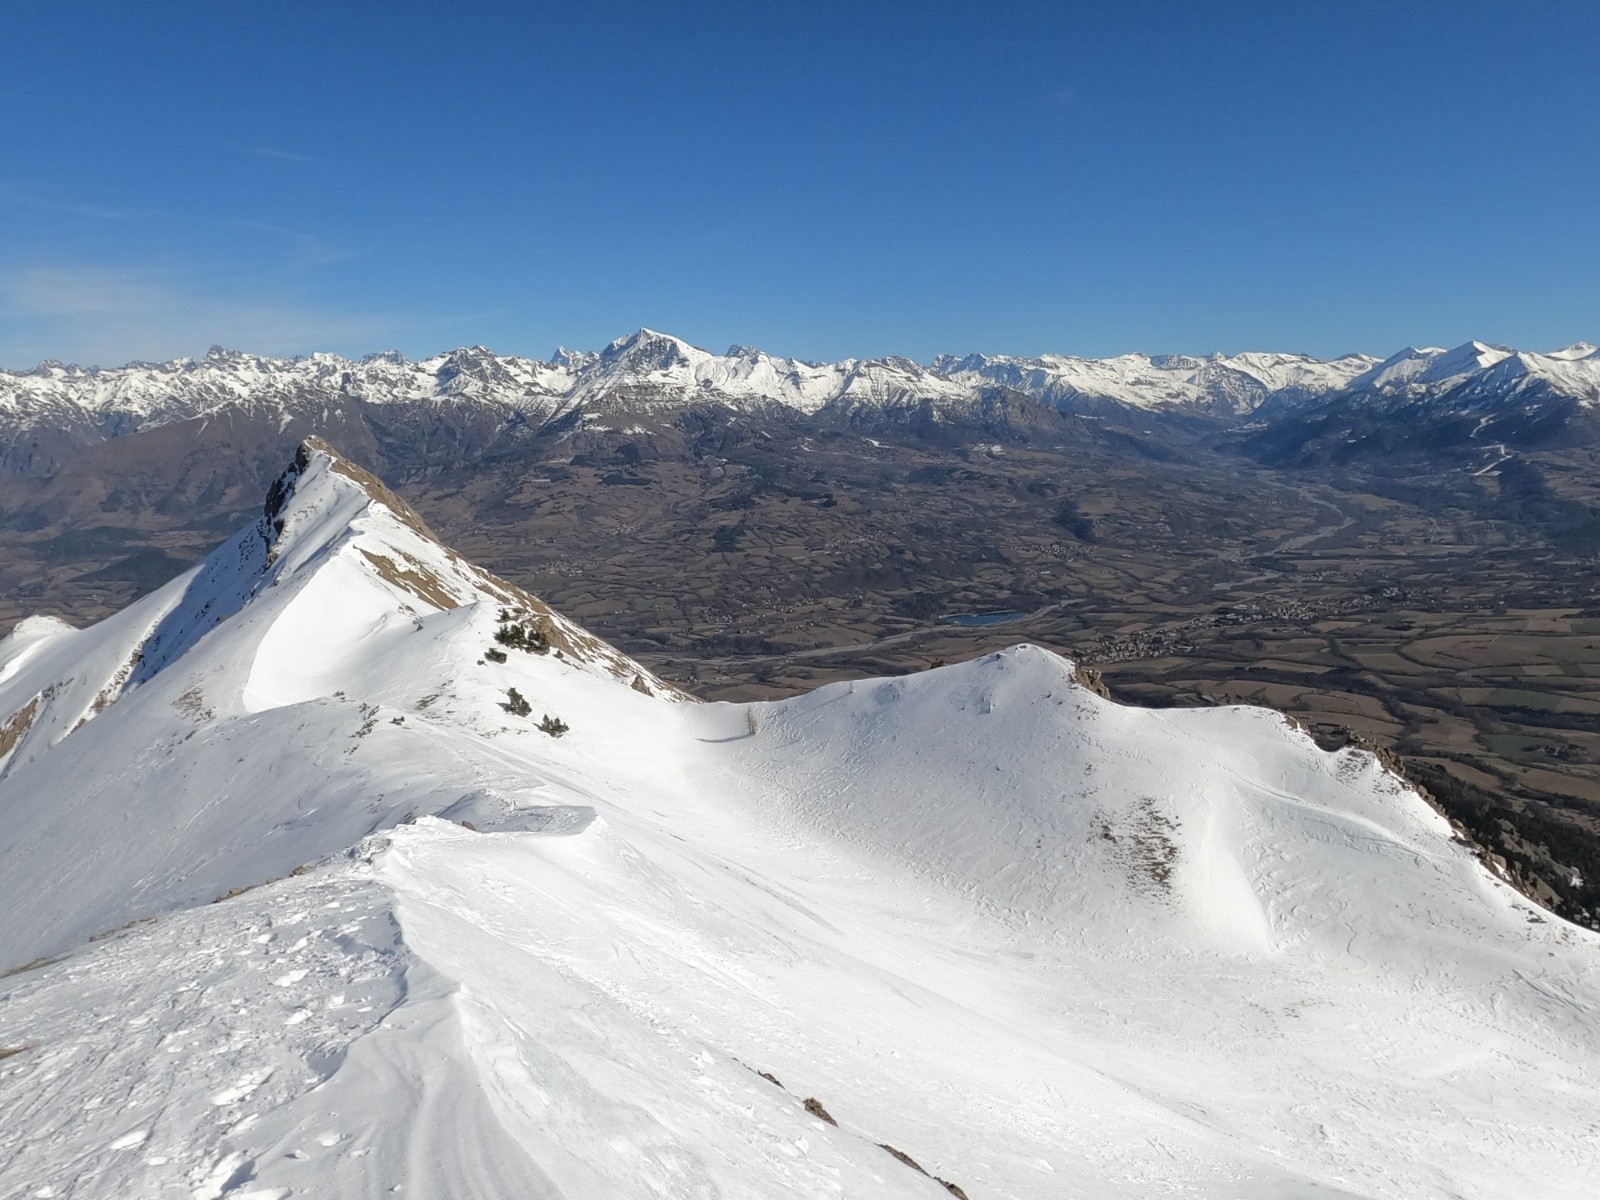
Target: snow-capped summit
{"x":1576,"y":351}
{"x":310,"y":604}
{"x":1399,"y":368}
{"x":646,"y":350}
{"x":1477,"y":369}
{"x":339,"y":866}
{"x":1219,"y":383}
{"x":573,"y":360}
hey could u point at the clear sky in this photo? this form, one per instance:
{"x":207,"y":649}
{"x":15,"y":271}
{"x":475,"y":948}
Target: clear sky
{"x":819,"y":179}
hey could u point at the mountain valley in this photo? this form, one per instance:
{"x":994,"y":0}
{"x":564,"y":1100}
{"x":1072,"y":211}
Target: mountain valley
{"x":752,"y":527}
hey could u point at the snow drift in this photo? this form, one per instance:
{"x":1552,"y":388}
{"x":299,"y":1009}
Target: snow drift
{"x":1037,"y":943}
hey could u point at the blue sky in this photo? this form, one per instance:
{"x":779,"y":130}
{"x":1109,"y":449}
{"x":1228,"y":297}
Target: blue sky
{"x":816,"y":179}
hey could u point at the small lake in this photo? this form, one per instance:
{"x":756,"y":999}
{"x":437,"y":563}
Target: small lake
{"x":975,"y":620}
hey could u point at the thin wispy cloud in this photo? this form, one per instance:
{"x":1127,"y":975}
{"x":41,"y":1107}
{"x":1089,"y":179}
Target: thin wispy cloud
{"x":76,"y":292}
{"x":304,"y":250}
{"x":100,"y":316}
{"x":23,"y":198}
{"x":1064,"y":96}
{"x":96,"y":315}
{"x":287,"y":156}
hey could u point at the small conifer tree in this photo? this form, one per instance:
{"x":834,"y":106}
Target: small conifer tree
{"x":522,"y":637}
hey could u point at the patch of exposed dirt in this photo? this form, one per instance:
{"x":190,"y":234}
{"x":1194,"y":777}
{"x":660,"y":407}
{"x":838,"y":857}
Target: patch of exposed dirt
{"x":192,"y":704}
{"x":1143,"y":844}
{"x":16,"y":725}
{"x":414,"y":578}
{"x":375,"y":488}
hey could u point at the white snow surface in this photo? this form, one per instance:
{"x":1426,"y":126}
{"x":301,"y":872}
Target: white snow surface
{"x":1044,"y":944}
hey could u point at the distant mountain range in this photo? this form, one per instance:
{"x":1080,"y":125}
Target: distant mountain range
{"x":1473,"y":398}
{"x":1288,"y":404}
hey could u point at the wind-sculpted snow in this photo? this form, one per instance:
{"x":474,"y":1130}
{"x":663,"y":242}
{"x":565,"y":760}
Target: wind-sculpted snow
{"x":287,"y":1043}
{"x":1040,"y":944}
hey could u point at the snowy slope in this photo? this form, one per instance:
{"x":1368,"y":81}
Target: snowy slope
{"x":285,"y":643}
{"x":1476,"y":403}
{"x":1218,"y":383}
{"x":1042,"y":944}
{"x":142,"y":393}
{"x":1479,"y":371}
{"x":655,"y":370}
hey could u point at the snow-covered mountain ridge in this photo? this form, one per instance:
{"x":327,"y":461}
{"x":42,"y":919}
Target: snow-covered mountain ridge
{"x":652,"y":369}
{"x":649,"y":371}
{"x":1041,"y":944}
{"x":1471,"y":405}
